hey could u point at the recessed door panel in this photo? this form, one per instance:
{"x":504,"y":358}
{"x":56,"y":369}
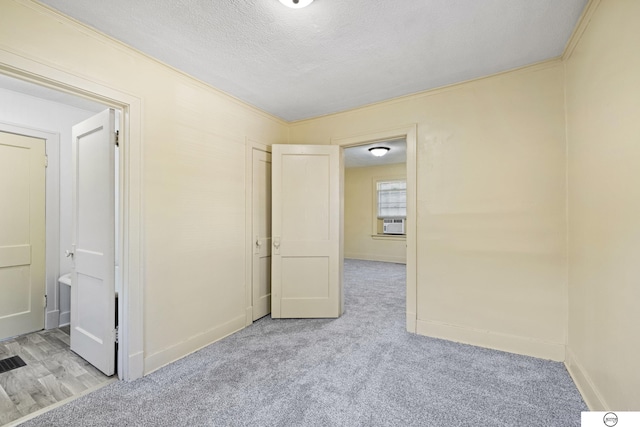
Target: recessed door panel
{"x":93,"y":241}
{"x":22,"y":234}
{"x":307,"y":232}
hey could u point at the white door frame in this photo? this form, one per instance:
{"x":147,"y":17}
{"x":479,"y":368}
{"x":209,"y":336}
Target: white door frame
{"x":250,"y":145}
{"x":130,"y":354}
{"x":408,"y":132}
{"x":52,"y":214}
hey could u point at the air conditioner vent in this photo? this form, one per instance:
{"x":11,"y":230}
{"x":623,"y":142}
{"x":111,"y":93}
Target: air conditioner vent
{"x":393,"y":226}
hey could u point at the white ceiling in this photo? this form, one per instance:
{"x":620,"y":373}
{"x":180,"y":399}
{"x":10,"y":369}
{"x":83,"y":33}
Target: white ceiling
{"x":335,"y":54}
{"x":359,"y":156}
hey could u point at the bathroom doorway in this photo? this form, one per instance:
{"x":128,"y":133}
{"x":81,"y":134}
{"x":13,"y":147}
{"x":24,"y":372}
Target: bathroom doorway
{"x":48,"y":116}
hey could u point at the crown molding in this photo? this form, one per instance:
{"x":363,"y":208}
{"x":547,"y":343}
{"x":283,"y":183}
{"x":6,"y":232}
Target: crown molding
{"x":580,"y":28}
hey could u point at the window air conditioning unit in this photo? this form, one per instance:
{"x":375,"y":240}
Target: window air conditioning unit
{"x":393,"y":226}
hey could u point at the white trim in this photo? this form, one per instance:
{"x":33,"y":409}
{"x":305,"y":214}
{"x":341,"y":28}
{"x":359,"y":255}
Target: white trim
{"x":579,"y":29}
{"x":410,"y":133}
{"x":19,"y":66}
{"x":592,"y":397}
{"x":191,"y":345}
{"x":488,"y":339}
{"x":375,"y":231}
{"x":52,"y":214}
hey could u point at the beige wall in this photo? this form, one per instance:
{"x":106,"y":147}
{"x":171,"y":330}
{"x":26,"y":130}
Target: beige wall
{"x":360,"y":214}
{"x":603,"y":128}
{"x":193,"y":142}
{"x":491,"y":195}
{"x":490,"y":205}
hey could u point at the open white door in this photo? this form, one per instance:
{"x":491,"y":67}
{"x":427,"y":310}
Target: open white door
{"x":22,"y":234}
{"x":93,"y":242}
{"x":307,"y":210}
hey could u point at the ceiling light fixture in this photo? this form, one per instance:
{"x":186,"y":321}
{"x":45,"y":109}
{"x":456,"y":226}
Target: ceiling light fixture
{"x":379,"y":151}
{"x":296,"y":4}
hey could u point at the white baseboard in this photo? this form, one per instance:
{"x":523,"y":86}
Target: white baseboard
{"x":65,"y":318}
{"x":52,"y":320}
{"x":411,"y":322}
{"x":587,"y":389}
{"x":374,"y":257}
{"x":178,"y":351}
{"x":497,"y":341}
{"x":248,"y":316}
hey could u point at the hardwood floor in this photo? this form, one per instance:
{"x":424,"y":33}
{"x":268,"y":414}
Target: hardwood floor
{"x":52,"y":373}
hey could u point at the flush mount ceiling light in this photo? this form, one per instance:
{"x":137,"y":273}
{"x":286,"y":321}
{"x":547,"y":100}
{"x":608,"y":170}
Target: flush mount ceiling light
{"x":379,"y":151}
{"x":296,"y":4}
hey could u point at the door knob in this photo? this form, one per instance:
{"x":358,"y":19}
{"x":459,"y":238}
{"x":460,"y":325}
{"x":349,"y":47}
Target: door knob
{"x":68,"y":253}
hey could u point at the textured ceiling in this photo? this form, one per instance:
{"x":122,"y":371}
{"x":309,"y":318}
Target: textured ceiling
{"x":334,"y":55}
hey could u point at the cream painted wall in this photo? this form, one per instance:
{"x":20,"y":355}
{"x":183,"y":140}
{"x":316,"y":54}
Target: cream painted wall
{"x":193,"y":139}
{"x":491,"y":195}
{"x":359,"y":215}
{"x":603,"y":128}
{"x":490,"y":205}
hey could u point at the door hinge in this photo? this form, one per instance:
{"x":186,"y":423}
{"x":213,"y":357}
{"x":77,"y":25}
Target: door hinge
{"x":117,"y":138}
{"x":45,"y":301}
{"x":116,"y":334}
{"x":46,"y":161}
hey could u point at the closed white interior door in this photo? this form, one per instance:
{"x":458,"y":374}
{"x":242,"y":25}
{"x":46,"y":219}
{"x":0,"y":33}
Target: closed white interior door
{"x":22,"y":234}
{"x":261,"y":226}
{"x":307,"y":206}
{"x":93,"y":246}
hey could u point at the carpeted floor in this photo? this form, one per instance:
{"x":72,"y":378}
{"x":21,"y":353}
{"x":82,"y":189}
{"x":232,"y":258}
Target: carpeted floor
{"x":363,"y":369}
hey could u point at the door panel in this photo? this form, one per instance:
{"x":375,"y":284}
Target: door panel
{"x":22,"y":234}
{"x":93,"y":241}
{"x":307,"y":231}
{"x":261,"y":205}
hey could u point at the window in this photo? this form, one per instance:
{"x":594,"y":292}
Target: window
{"x":392,"y":199}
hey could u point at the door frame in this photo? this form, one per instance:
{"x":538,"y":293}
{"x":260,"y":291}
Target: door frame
{"x":409,"y":133}
{"x":131,"y":349}
{"x":250,"y":145}
{"x":52,"y":216}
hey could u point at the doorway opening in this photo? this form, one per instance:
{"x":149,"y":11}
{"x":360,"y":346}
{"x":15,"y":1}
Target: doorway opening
{"x":46,"y":116}
{"x":404,"y":137}
{"x":375,"y":208}
{"x":375,"y":202}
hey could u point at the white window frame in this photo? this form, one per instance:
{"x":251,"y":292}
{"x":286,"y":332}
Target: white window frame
{"x":376,"y":223}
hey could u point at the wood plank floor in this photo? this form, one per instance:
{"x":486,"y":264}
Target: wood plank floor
{"x":53,"y":373}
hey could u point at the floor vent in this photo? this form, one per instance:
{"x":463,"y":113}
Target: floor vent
{"x":11,"y":363}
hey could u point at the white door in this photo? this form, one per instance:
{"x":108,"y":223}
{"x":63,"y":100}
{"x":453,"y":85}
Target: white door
{"x":307,"y":209}
{"x":261,"y":226}
{"x":93,"y":246}
{"x":22,"y":234}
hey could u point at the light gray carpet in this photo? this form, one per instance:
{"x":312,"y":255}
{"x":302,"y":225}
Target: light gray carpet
{"x":360,"y":370}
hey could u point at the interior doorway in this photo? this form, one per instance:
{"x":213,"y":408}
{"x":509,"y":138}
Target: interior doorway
{"x":375,"y":201}
{"x":409,"y":135}
{"x":48,"y":115}
{"x":406,"y":137}
{"x":131,"y":308}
